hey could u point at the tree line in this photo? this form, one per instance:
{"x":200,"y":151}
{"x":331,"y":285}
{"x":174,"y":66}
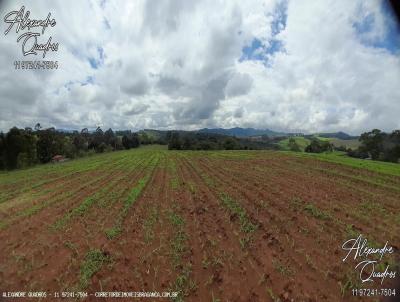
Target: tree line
{"x":375,"y":145}
{"x":20,"y":148}
{"x":189,"y":140}
{"x":319,"y":146}
{"x":378,"y":145}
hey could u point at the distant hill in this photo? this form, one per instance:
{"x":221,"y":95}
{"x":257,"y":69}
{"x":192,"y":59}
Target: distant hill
{"x":252,"y":133}
{"x":155,"y":134}
{"x":303,"y":141}
{"x":241,"y":132}
{"x":339,"y":135}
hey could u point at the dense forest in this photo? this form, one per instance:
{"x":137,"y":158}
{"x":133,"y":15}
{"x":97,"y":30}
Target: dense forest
{"x":319,"y":146}
{"x":379,"y":145}
{"x":20,"y":148}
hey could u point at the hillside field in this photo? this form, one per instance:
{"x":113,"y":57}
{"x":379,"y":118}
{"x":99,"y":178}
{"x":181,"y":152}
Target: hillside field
{"x":303,"y":142}
{"x":212,"y":226}
{"x":348,"y":143}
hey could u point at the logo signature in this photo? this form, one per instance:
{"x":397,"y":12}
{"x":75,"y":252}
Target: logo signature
{"x":30,"y":45}
{"x":370,"y":259}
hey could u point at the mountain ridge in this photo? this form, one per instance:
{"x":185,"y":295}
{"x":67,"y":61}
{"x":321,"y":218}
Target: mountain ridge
{"x":241,"y":132}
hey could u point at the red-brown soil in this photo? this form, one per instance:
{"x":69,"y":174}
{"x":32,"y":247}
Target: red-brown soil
{"x":178,"y":234}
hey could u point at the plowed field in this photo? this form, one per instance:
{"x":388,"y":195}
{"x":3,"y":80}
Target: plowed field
{"x":212,"y":226}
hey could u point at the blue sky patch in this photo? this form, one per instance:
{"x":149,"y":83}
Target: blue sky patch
{"x":96,"y":62}
{"x":279,"y":17}
{"x":390,"y":40}
{"x":253,"y":52}
{"x":93,"y":63}
{"x":263,"y":52}
{"x":89,"y":80}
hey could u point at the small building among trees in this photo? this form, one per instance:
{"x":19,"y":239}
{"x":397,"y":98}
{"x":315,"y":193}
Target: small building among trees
{"x":58,"y":159}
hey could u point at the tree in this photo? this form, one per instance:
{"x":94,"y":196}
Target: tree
{"x":318,"y":146}
{"x":19,"y":148}
{"x":293,"y":146}
{"x":357,"y":153}
{"x":13,"y":147}
{"x":96,"y":139}
{"x":145,"y":139}
{"x":118,"y":143}
{"x":230,"y":144}
{"x":2,"y":151}
{"x":101,"y":148}
{"x":38,"y":127}
{"x":69,"y":148}
{"x":395,"y":137}
{"x":372,"y":142}
{"x":28,"y":155}
{"x":175,"y":142}
{"x":391,"y":147}
{"x":379,"y":146}
{"x":130,"y":141}
{"x":80,"y":142}
{"x":188,"y":143}
{"x":110,"y":139}
{"x":49,"y":144}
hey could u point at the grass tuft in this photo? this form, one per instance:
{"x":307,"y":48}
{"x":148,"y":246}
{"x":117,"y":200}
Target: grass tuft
{"x":317,"y":213}
{"x":93,"y":262}
{"x":114,"y":231}
{"x":246,"y":226}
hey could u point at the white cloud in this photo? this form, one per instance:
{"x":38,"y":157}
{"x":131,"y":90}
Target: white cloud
{"x":177,"y":64}
{"x":239,"y":84}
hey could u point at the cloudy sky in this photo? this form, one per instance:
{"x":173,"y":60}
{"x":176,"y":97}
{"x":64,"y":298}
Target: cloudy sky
{"x":297,"y":65}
